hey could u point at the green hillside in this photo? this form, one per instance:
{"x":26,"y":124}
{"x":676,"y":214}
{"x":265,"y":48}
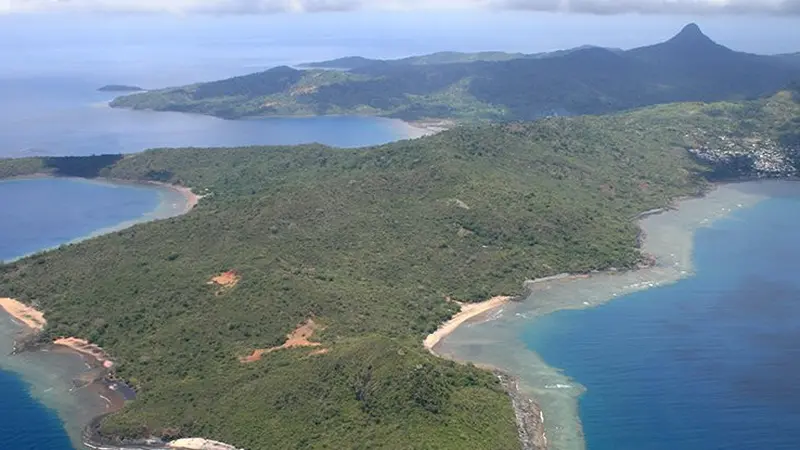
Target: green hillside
{"x":490,"y":86}
{"x":367,"y":242}
{"x":358,"y":62}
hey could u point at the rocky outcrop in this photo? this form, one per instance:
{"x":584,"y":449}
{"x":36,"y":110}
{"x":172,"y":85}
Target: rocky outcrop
{"x":530,"y":419}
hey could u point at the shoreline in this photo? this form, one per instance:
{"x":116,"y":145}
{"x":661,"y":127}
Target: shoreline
{"x":528,"y":414}
{"x":665,"y":233}
{"x":467,"y":312}
{"x":413,"y":128}
{"x":97,"y":378}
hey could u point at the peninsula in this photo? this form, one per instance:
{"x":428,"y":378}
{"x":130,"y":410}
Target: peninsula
{"x":489,"y":86}
{"x":361,"y":247}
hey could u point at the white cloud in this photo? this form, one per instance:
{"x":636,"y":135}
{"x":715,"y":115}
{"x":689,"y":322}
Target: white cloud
{"x":301,"y":6}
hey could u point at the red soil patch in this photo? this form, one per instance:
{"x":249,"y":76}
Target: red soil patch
{"x":227,"y":279}
{"x":297,"y":338}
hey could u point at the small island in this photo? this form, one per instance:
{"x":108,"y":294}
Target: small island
{"x":120,"y":88}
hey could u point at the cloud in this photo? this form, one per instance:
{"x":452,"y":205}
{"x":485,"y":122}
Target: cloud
{"x":600,"y":7}
{"x":693,"y":7}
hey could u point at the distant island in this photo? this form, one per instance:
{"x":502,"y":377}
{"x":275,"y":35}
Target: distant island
{"x":119,"y":88}
{"x":489,"y":86}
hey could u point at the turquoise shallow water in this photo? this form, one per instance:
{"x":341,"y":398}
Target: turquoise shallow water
{"x":43,"y":213}
{"x":709,"y":362}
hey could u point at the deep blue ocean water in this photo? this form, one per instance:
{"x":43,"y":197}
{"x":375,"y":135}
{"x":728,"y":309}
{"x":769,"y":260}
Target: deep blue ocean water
{"x":26,"y":423}
{"x":711,"y":362}
{"x":38,"y":214}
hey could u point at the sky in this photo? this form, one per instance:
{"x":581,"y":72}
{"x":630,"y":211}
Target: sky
{"x":168,"y":42}
{"x":600,"y":7}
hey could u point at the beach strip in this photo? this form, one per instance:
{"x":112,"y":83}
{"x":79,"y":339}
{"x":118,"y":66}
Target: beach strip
{"x":28,"y":315}
{"x":468,"y":311}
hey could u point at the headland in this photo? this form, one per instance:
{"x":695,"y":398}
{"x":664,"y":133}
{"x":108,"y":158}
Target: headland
{"x":68,"y":374}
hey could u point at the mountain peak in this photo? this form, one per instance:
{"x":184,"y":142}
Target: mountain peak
{"x":691,"y":29}
{"x":691,"y":34}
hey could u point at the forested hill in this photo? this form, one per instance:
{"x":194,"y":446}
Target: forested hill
{"x":367,"y":243}
{"x":358,"y":62}
{"x":491,"y":85}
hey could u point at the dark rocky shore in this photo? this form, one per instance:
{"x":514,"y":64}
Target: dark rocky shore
{"x":530,"y":420}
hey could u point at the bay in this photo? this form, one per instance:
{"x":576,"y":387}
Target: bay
{"x":696,"y":352}
{"x":63,"y":115}
{"x":708,"y":362}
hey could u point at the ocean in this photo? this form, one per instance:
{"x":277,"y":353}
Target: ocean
{"x":699,"y":352}
{"x":27,"y":424}
{"x":711,"y":361}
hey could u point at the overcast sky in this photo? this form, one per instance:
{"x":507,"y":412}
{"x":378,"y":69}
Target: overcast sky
{"x":602,"y":7}
{"x":164,"y":42}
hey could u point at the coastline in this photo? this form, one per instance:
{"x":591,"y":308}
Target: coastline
{"x":467,"y":312}
{"x":667,"y":234}
{"x":527,"y":413}
{"x":71,"y":375}
{"x":428,"y":127}
{"x":411,"y":129}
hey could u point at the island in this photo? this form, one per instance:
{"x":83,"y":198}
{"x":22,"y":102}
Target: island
{"x":289,"y":308}
{"x":119,"y":88}
{"x":489,"y":86}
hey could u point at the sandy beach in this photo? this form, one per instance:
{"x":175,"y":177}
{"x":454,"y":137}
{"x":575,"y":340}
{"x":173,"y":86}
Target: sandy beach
{"x":83,"y":389}
{"x":27,"y":315}
{"x":468,"y":311}
{"x":421,"y":128}
{"x":191,"y":198}
{"x":85,"y":347}
{"x":668,"y":237}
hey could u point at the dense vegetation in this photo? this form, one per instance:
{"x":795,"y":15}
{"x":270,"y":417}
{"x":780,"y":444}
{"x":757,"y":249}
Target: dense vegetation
{"x":358,"y":62}
{"x":490,"y":85}
{"x":368,"y":242}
